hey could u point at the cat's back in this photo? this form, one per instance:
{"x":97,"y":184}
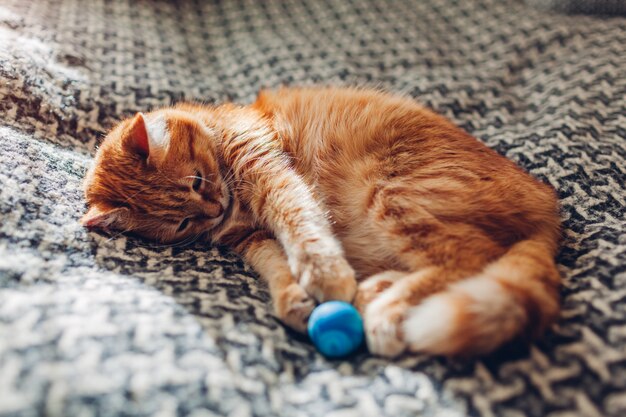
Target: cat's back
{"x":322,"y":122}
{"x":350,"y":144}
{"x":347,"y":104}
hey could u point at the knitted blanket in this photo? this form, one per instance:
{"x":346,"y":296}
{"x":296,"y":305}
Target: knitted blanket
{"x":95,"y":325}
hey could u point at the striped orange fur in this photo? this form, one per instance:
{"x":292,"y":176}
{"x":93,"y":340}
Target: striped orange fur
{"x":352,"y":194}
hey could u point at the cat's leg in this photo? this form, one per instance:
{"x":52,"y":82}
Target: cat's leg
{"x":385,"y":298}
{"x":440,"y":253}
{"x":453,"y":253}
{"x":461,"y":311}
{"x":282,"y":202}
{"x":292,"y":304}
{"x":371,"y":287}
{"x":384,"y":315}
{"x":314,"y":255}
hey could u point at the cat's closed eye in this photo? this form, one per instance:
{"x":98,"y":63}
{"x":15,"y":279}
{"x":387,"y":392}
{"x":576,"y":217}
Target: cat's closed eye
{"x":197,"y":181}
{"x":183,"y":225}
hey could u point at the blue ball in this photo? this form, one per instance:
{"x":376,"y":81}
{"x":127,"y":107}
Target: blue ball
{"x":336,"y":328}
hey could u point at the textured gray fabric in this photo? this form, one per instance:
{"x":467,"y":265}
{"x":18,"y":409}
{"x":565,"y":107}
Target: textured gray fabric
{"x":604,"y":7}
{"x":99,"y":326}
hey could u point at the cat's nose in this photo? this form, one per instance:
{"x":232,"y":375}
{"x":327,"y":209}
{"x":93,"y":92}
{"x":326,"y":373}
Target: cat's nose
{"x":207,"y":195}
{"x":214,"y":210}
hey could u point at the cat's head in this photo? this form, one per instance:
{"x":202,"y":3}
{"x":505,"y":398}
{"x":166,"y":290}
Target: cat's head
{"x":157,"y":175}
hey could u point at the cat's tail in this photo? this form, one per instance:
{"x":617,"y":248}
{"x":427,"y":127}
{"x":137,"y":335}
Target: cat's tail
{"x":517,"y":295}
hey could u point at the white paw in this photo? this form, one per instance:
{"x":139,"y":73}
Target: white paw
{"x":327,"y":277}
{"x":383,"y":326}
{"x":373,"y":286}
{"x":294,"y":306}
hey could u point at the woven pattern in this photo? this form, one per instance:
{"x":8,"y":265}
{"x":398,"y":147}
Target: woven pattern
{"x":94,"y":326}
{"x":605,"y":7}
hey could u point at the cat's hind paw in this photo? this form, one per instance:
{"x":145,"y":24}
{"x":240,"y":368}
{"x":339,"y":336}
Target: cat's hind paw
{"x":371,"y":287}
{"x":383,"y":321}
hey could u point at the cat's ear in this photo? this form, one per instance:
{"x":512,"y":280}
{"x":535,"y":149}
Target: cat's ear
{"x":100,"y":216}
{"x":136,"y":136}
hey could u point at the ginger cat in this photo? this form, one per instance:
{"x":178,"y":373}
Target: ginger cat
{"x":348,"y":194}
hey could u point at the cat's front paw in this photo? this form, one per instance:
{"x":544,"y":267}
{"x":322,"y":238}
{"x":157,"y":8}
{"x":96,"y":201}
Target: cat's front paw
{"x":327,"y":277}
{"x":383,"y":320}
{"x":293,"y":306}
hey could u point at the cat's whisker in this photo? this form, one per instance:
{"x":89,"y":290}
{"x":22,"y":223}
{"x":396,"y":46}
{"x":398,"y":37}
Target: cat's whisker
{"x":196,"y":177}
{"x":141,"y":190}
{"x":188,"y":241}
{"x":163,"y":245}
{"x":118,"y":234}
{"x":230,"y":181}
{"x":229,"y":177}
{"x":250,"y":187}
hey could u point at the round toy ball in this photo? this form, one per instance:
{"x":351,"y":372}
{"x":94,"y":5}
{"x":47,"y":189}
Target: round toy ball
{"x":336,"y":328}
